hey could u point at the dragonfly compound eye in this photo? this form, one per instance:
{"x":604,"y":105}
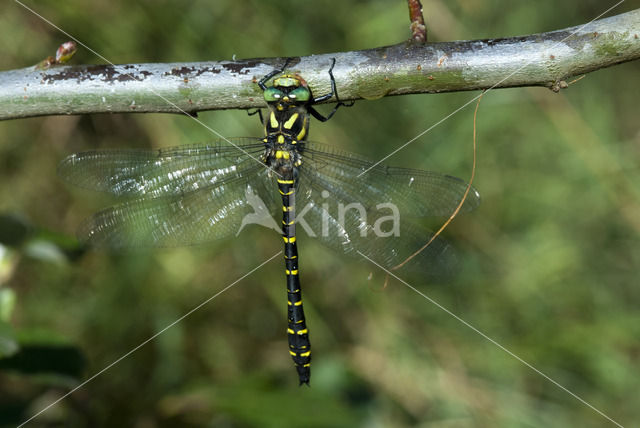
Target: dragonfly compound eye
{"x":272,"y":94}
{"x":300,"y":94}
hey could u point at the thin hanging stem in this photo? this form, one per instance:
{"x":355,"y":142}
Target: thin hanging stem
{"x":464,"y":197}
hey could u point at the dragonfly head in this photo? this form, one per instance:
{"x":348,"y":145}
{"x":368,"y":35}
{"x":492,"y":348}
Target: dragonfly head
{"x":288,"y":90}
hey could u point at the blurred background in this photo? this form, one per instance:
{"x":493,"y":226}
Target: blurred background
{"x":548,"y":263}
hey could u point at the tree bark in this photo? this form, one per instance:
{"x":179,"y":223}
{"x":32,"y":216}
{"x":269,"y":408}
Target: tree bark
{"x":545,"y":59}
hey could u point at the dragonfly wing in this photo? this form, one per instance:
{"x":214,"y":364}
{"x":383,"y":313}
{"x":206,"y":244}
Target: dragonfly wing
{"x":206,"y":214}
{"x":381,"y":235}
{"x":155,"y":173}
{"x":415,"y":192}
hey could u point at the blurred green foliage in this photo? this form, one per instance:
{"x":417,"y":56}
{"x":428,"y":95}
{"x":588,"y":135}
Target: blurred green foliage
{"x":549,"y":263}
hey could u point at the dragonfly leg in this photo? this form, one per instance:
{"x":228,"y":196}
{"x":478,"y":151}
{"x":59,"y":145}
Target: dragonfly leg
{"x":263,"y":81}
{"x":325,"y":97}
{"x":258,"y":112}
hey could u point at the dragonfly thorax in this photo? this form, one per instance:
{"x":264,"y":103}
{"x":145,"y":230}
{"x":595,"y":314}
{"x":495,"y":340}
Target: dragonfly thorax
{"x":282,"y":155}
{"x":292,"y":123}
{"x":286,"y":130}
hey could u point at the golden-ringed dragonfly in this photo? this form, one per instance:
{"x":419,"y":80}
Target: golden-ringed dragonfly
{"x":199,"y":193}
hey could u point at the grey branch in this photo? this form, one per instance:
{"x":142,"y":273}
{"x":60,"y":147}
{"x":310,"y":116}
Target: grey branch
{"x":545,"y":59}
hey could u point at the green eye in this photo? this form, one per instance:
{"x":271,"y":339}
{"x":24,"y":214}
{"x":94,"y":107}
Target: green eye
{"x":272,"y":94}
{"x":300,"y":94}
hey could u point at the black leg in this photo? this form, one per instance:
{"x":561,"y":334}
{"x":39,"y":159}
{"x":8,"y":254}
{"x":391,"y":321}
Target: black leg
{"x":322,"y":118}
{"x":334,"y":91}
{"x":257,"y":111}
{"x":325,"y":97}
{"x":263,"y":81}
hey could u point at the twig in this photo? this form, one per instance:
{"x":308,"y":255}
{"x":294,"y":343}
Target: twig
{"x":63,"y":55}
{"x":407,"y":68}
{"x":418,"y":29}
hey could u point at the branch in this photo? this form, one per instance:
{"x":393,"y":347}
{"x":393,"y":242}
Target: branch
{"x":418,"y":29}
{"x":545,"y":59}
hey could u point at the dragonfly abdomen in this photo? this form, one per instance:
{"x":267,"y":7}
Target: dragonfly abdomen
{"x":298,"y":334}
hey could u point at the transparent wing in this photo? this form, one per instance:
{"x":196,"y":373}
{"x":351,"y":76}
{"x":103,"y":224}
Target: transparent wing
{"x":155,"y":173}
{"x":193,"y":194}
{"x":374,"y":214}
{"x":415,"y":192}
{"x":177,"y":196}
{"x":210,"y":213}
{"x":385,"y":237}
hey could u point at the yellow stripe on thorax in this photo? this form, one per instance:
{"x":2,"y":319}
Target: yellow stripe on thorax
{"x":289,"y":123}
{"x":273,"y":121}
{"x":303,"y":131}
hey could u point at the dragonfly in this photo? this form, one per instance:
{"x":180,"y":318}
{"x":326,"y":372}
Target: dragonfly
{"x":194,"y":194}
